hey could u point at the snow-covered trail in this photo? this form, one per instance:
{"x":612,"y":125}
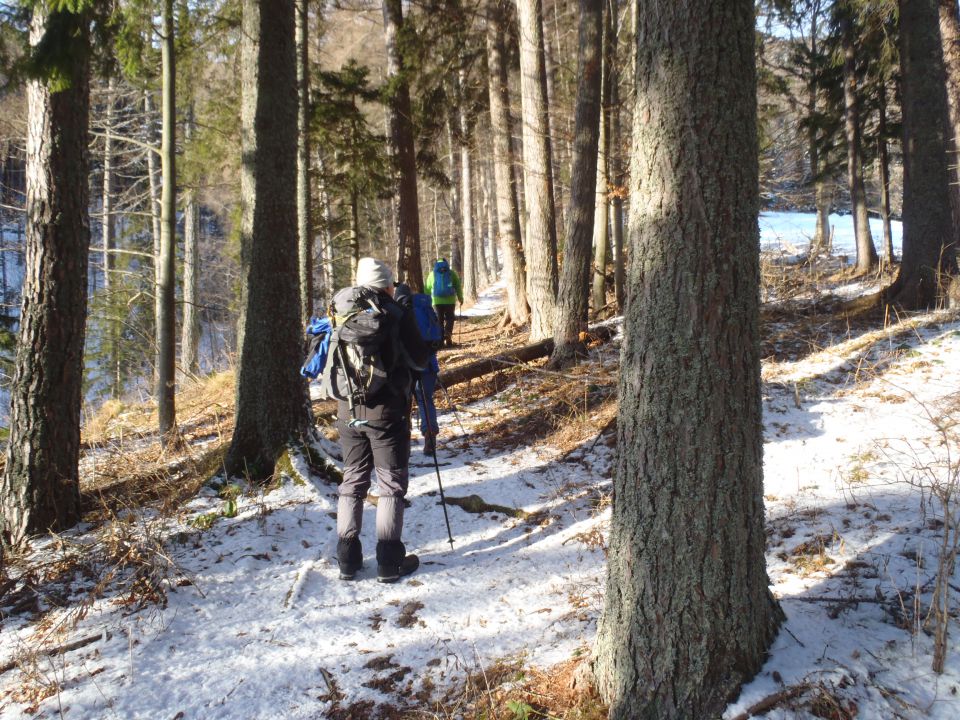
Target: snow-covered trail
{"x":257,"y":624}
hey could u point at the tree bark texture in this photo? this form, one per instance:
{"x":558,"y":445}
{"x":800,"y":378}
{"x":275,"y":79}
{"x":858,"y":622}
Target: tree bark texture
{"x":883,"y":168}
{"x":540,"y":236}
{"x":190,"y":330}
{"x":821,"y":234}
{"x":401,"y":134}
{"x":601,"y":238}
{"x":929,"y":245}
{"x":950,"y":41}
{"x":616,"y":221}
{"x":866,"y":252}
{"x":468,"y":230}
{"x":271,"y":405}
{"x":574,"y":295}
{"x":504,"y":167}
{"x":688,"y":613}
{"x":167,"y":319}
{"x":304,"y":229}
{"x":108,"y":222}
{"x":40,"y":487}
{"x":153,"y":202}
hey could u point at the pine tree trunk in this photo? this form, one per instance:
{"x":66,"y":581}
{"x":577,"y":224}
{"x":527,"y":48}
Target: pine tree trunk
{"x":540,"y":236}
{"x":601,"y":218}
{"x":167,"y":318}
{"x":572,"y":305}
{"x":154,"y":209}
{"x":401,"y":135}
{"x":40,"y":487}
{"x":866,"y":252}
{"x":190,"y":330}
{"x":504,"y":169}
{"x":883,"y":166}
{"x":688,"y":615}
{"x":466,"y":208}
{"x":304,"y":229}
{"x":108,"y":227}
{"x":619,"y":259}
{"x":326,"y":253}
{"x":929,"y":249}
{"x":490,"y":270}
{"x":107,"y":223}
{"x":453,"y":167}
{"x":950,"y":39}
{"x":821,"y":234}
{"x":271,"y":405}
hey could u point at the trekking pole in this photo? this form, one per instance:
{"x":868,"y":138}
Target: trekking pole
{"x":443,"y":500}
{"x":451,"y":406}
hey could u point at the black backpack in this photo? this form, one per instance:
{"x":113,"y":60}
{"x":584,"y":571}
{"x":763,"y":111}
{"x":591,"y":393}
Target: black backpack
{"x":365,"y":347}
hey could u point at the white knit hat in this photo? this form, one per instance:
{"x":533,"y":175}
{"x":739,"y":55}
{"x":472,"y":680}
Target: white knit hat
{"x":374,"y":274}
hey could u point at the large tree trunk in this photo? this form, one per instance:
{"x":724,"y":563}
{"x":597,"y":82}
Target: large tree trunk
{"x":167,"y":318}
{"x":271,"y":405}
{"x":929,"y":246}
{"x":572,"y":301}
{"x":190,"y":330}
{"x":866,"y":252}
{"x":401,"y":135}
{"x":304,"y":229}
{"x":453,"y":168}
{"x":540,"y":236}
{"x":40,"y":488}
{"x":950,"y":40}
{"x":504,"y":170}
{"x":688,"y":613}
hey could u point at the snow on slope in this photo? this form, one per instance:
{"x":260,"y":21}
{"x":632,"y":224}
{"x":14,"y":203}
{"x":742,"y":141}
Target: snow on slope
{"x":260,"y":626}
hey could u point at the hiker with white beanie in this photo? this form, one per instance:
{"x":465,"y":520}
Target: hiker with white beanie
{"x":375,"y":351}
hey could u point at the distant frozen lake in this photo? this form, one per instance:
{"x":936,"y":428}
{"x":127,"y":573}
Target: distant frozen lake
{"x":790,"y":232}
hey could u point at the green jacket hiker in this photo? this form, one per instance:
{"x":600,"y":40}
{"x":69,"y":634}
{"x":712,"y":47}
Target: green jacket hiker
{"x":443,"y":286}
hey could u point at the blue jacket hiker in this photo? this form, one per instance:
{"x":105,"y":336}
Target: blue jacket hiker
{"x":426,"y":384}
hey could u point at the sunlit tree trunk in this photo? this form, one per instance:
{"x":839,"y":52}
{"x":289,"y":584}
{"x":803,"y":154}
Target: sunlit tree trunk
{"x":540,"y":236}
{"x":504,"y":168}
{"x":929,"y":244}
{"x":572,"y":301}
{"x":866,"y":251}
{"x":167,"y":318}
{"x":304,"y":229}
{"x":190,"y":330}
{"x":401,"y":135}
{"x":883,"y":166}
{"x":40,"y":486}
{"x":688,"y":614}
{"x":598,"y":297}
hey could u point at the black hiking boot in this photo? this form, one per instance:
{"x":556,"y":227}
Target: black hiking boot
{"x":430,"y":444}
{"x":349,"y":558}
{"x":392,"y":573}
{"x":393,"y":562}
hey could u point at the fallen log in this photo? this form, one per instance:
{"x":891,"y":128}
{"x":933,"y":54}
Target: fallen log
{"x":526,"y":353}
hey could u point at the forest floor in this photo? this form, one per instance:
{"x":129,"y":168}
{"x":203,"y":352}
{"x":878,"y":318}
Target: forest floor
{"x":186,"y":597}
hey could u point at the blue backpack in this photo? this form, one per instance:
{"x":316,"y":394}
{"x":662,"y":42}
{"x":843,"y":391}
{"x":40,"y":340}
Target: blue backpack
{"x":443,"y":280}
{"x":317,"y":347}
{"x":428,"y":322}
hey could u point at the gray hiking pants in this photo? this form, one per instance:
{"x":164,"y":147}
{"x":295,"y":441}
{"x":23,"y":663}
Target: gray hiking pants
{"x":382,"y":446}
